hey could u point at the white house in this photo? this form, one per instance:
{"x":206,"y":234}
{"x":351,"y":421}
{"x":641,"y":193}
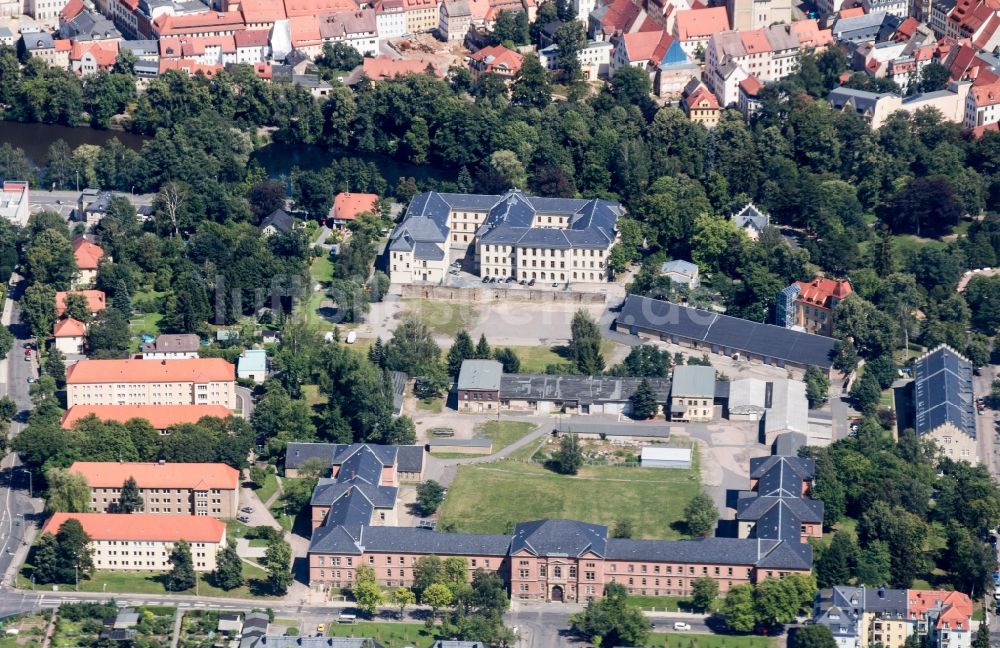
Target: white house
{"x":390,"y":18}
{"x":252,"y":365}
{"x":70,"y":335}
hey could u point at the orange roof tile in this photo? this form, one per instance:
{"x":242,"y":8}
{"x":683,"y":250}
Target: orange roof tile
{"x":305,"y":31}
{"x":105,"y":53}
{"x":71,"y":10}
{"x":69,"y":327}
{"x":196,"y":370}
{"x":161,"y":417}
{"x":810,"y":35}
{"x":191,"y":67}
{"x":295,"y":8}
{"x":821,"y":290}
{"x":986,"y":95}
{"x":346,"y":206}
{"x":252,"y":38}
{"x":853,"y":12}
{"x":88,"y":255}
{"x":198,"y":476}
{"x":262,"y":11}
{"x":205,"y":22}
{"x":701,"y":95}
{"x":755,"y":41}
{"x":498,"y":56}
{"x":147,"y":528}
{"x":701,"y":23}
{"x":96,"y":300}
{"x":751,"y":85}
{"x":63,"y":45}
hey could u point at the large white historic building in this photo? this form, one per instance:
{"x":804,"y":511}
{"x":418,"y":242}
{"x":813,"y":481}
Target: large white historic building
{"x":513,"y":235}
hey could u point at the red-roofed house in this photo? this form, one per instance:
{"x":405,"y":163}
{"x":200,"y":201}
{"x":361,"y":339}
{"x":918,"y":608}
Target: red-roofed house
{"x":96,"y":301}
{"x":191,"y":68}
{"x":207,"y":23}
{"x":347,"y":206}
{"x":982,"y":105}
{"x":694,"y":27}
{"x":810,"y":305}
{"x":203,"y":489}
{"x":702,"y":107}
{"x":72,"y":9}
{"x":615,"y":18}
{"x":317,"y":7}
{"x":144,"y":542}
{"x":306,"y":36}
{"x":195,"y":381}
{"x":646,"y":50}
{"x":70,"y":335}
{"x":390,"y":16}
{"x":495,"y":59}
{"x":421,"y":15}
{"x":161,"y":417}
{"x":88,"y":257}
{"x":968,"y":18}
{"x":252,"y":46}
{"x":261,"y":14}
{"x":90,"y":57}
{"x":749,"y":101}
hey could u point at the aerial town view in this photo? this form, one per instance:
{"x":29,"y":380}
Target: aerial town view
{"x":499,"y":323}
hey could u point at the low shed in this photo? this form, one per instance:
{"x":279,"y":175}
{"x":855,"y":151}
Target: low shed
{"x":653,"y":457}
{"x":461,"y":446}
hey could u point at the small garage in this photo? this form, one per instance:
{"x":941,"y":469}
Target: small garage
{"x":658,"y":457}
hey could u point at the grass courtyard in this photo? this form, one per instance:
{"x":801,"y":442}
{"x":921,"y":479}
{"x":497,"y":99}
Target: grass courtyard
{"x":442,"y":317}
{"x":390,"y":635}
{"x":504,"y":433}
{"x":697,"y":640}
{"x":492,"y":498}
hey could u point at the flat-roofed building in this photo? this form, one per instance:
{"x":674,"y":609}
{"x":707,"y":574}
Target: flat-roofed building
{"x":14,"y":201}
{"x":199,"y":489}
{"x":144,"y":542}
{"x":197,"y":381}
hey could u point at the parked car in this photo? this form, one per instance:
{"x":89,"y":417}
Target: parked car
{"x":486,"y":279}
{"x":247,"y":509}
{"x":32,"y":381}
{"x":532,"y":282}
{"x":681,"y":626}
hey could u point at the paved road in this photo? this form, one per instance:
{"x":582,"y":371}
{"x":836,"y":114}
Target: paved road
{"x":244,"y":401}
{"x":17,"y":510}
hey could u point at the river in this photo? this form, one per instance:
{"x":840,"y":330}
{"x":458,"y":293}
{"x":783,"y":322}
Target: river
{"x":277,"y":159}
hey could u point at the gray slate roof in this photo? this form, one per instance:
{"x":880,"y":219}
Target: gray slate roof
{"x":781,"y":476}
{"x":173,"y":343}
{"x":330,"y":539}
{"x":726,"y":333}
{"x":721,"y":551}
{"x":480,"y":374}
{"x":280,"y":220}
{"x":576,"y":389}
{"x":693,"y":380}
{"x":559,"y":538}
{"x":943,"y":392}
{"x":509,"y":221}
{"x":679,"y":266}
{"x":639,"y":429}
{"x":751,"y":217}
{"x":408,"y":458}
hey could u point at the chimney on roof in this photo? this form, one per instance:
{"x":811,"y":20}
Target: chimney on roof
{"x":162,"y":462}
{"x":163,"y":362}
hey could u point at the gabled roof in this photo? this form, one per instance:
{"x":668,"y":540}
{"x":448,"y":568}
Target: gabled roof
{"x":750,"y":216}
{"x":69,"y":327}
{"x":347,"y":206}
{"x":197,"y":370}
{"x":280,"y":220}
{"x":112,"y":474}
{"x":822,"y":291}
{"x":480,"y":374}
{"x":560,"y":538}
{"x":146,"y":528}
{"x":943,"y":392}
{"x":173,"y":343}
{"x":697,"y":24}
{"x":96,"y":300}
{"x":88,"y":255}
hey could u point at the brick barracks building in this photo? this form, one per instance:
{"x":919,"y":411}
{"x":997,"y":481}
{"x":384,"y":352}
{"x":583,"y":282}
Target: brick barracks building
{"x":558,"y":560}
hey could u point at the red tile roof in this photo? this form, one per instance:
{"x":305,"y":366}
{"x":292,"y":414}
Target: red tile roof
{"x":700,"y":96}
{"x":695,"y":24}
{"x":146,"y":528}
{"x":620,"y":16}
{"x":751,"y":86}
{"x":305,"y":31}
{"x":317,"y":7}
{"x":262,"y":11}
{"x":105,"y":53}
{"x":69,"y":327}
{"x":200,"y":23}
{"x":196,"y":370}
{"x":197,"y":476}
{"x":853,"y":12}
{"x":161,"y":417}
{"x":755,"y":41}
{"x":820,"y":291}
{"x":191,"y":67}
{"x":88,"y":255}
{"x":63,"y":45}
{"x":96,"y":300}
{"x":71,"y":10}
{"x":346,"y":206}
{"x":252,"y":38}
{"x":498,"y":56}
{"x":986,"y":94}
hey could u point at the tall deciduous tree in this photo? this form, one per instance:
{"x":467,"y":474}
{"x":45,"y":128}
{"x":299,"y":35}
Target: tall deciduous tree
{"x":38,"y":308}
{"x":701,"y":515}
{"x":610,"y":621}
{"x":181,"y":576}
{"x":74,"y":558}
{"x":130,"y":500}
{"x":68,"y":492}
{"x":412,"y":348}
{"x":569,"y":457}
{"x":228,"y":572}
{"x":585,"y":344}
{"x":278,"y":562}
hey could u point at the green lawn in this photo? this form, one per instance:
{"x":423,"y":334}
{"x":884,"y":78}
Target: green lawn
{"x":150,"y":583}
{"x":433,"y":405}
{"x":444,"y":318}
{"x":236,"y":529}
{"x":312,"y":395}
{"x":390,"y":635}
{"x":268,"y":488}
{"x":491,"y":498}
{"x":534,"y":359}
{"x":321,"y":269}
{"x":659,"y":602}
{"x":146,"y":324}
{"x":504,"y":433}
{"x":697,"y":640}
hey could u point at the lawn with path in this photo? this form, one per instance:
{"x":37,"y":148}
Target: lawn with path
{"x":149,"y":582}
{"x":490,"y":498}
{"x":504,"y":433}
{"x":698,"y":640}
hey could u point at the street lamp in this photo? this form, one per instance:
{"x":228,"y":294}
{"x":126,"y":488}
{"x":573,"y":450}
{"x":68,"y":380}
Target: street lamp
{"x":31,"y":489}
